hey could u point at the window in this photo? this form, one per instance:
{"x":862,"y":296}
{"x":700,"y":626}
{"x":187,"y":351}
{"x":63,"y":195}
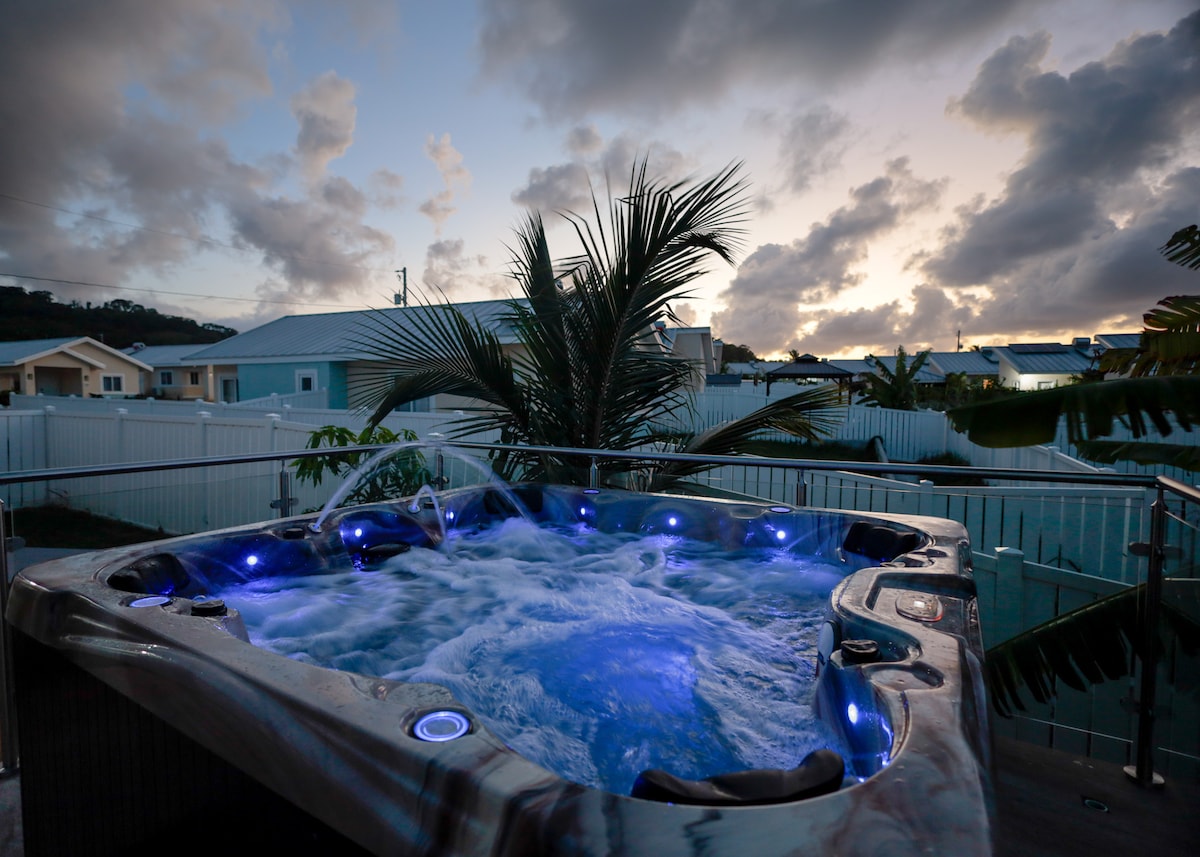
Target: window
{"x":306,"y":380}
{"x":1045,"y":385}
{"x":165,"y":379}
{"x":112,"y":383}
{"x":194,"y":379}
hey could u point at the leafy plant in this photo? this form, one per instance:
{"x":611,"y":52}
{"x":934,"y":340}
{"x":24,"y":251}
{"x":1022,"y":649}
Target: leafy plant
{"x":588,"y":369}
{"x":400,"y":475}
{"x":1091,"y":645}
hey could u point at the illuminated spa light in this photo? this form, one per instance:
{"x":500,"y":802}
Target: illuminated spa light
{"x":781,"y":535}
{"x":852,"y":713}
{"x":252,"y":560}
{"x":441,"y":726}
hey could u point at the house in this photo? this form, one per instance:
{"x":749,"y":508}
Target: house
{"x":982,"y":365}
{"x":310,"y":353}
{"x":1043,"y":365}
{"x":174,"y":375}
{"x":69,"y":366}
{"x":313,"y":353}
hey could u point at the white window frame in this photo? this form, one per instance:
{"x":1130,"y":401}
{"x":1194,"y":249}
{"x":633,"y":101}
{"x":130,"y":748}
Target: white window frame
{"x":303,"y":375}
{"x":166,"y":378}
{"x":112,"y":383}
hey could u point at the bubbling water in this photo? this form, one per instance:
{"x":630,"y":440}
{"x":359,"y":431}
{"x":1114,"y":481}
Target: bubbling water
{"x":594,"y":655}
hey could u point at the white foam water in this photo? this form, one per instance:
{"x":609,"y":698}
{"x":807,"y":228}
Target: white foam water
{"x":594,"y":655}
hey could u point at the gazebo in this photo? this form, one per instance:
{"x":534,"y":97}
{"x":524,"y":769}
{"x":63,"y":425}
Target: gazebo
{"x":807,"y":366}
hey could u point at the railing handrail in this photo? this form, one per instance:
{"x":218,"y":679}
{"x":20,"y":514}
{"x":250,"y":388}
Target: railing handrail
{"x":867,"y":467}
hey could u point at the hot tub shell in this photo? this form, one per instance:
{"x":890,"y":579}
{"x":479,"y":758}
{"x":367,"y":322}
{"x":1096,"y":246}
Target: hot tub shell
{"x":140,"y":724}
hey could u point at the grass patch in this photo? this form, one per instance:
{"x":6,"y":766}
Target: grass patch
{"x":60,"y":527}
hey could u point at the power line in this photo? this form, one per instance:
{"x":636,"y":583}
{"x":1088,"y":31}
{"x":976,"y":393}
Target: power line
{"x":204,"y":240}
{"x":166,"y":292}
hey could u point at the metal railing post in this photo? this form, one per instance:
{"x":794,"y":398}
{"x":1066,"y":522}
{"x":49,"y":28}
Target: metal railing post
{"x":8,"y":711}
{"x":1143,"y":770}
{"x":286,"y":501}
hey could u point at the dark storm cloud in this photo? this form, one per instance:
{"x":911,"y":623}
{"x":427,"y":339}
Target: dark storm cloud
{"x":1109,"y":174}
{"x":763,"y":303}
{"x":597,"y":167}
{"x":121,"y":108}
{"x":629,"y":54}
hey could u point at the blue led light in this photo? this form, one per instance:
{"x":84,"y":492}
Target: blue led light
{"x":358,"y":532}
{"x":852,"y":713}
{"x":672,"y":521}
{"x":441,"y":726}
{"x":781,"y":535}
{"x":252,"y":560}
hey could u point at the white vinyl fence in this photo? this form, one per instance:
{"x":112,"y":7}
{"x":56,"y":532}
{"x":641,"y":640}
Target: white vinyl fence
{"x":1087,"y":529}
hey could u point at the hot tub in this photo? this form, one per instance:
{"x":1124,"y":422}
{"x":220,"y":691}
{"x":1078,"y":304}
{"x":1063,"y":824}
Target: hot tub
{"x":149,"y":722}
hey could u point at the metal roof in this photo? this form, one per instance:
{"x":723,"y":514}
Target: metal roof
{"x":1070,"y":361}
{"x":20,"y":350}
{"x":329,"y":335}
{"x":15,"y":352}
{"x":971,"y":363}
{"x":1119,"y":340}
{"x":925,"y":375}
{"x":167,"y":355}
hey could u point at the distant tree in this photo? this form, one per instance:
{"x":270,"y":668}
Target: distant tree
{"x":897,"y":389}
{"x":737,"y":354}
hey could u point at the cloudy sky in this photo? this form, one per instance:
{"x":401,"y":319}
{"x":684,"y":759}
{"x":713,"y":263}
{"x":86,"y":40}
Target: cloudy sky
{"x":917,"y":167}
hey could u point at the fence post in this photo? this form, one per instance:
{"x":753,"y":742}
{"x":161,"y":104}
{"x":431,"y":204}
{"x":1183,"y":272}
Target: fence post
{"x":1009,"y":599}
{"x":925,"y":497}
{"x":8,"y":711}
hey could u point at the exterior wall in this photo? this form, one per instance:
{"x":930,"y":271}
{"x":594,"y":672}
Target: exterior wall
{"x":257,"y":380}
{"x":180,"y":387}
{"x":1010,"y":377}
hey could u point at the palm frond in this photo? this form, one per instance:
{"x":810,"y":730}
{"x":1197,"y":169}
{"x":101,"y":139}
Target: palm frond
{"x":1091,"y":644}
{"x":1184,"y":247}
{"x":808,"y":415}
{"x":1144,"y":404}
{"x":435,"y":349}
{"x":1183,"y":456}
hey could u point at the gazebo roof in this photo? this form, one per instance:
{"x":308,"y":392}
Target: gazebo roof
{"x":808,"y":366}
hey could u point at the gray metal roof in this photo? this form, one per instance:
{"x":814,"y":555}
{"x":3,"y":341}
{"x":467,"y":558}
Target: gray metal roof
{"x":329,"y":336}
{"x":163,"y":356}
{"x":971,"y":363}
{"x":1119,"y":340}
{"x":18,"y":350}
{"x":925,"y":375}
{"x":1069,"y":361}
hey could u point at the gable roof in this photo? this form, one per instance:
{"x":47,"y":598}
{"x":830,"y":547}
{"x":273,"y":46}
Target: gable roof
{"x":16,"y":352}
{"x":971,"y":363}
{"x":1042,"y":359}
{"x":329,"y":336}
{"x":1119,"y":340}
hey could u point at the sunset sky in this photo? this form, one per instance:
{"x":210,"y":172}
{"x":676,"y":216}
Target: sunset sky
{"x":1006,"y":169}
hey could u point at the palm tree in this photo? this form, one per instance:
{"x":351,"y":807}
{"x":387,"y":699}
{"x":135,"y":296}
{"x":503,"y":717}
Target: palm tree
{"x":591,"y":372}
{"x":894,"y":388}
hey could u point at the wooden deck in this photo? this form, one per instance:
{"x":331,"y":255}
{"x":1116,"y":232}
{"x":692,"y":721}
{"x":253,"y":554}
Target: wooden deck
{"x":1055,"y":804}
{"x":1048,"y":803}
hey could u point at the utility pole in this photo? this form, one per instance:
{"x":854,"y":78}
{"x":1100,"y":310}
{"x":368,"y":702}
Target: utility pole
{"x":401,"y":299}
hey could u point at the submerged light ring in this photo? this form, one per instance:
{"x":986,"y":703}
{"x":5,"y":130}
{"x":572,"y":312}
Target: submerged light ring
{"x":441,"y":726}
